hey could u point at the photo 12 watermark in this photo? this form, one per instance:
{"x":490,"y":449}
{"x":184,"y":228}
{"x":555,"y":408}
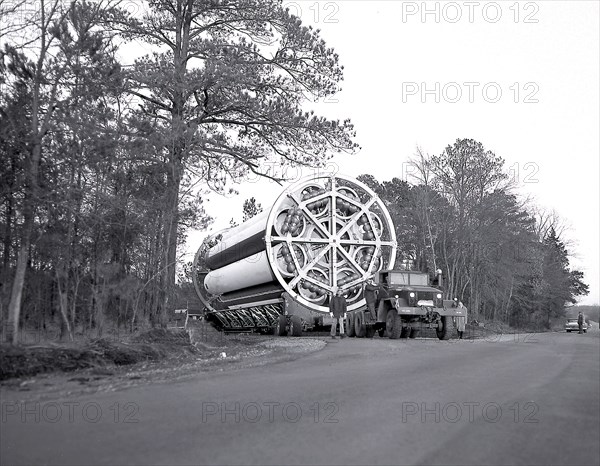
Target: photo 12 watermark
{"x":518,"y":173}
{"x":69,"y":411}
{"x":288,"y":174}
{"x":317,"y":12}
{"x":470,"y":12}
{"x":523,"y":173}
{"x":269,"y":411}
{"x":469,"y":412}
{"x":470,"y":92}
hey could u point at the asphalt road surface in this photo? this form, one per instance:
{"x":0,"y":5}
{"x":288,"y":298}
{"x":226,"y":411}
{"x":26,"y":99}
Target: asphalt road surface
{"x":518,"y":399}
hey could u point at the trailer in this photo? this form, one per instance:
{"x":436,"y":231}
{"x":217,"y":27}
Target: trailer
{"x":277,"y":271}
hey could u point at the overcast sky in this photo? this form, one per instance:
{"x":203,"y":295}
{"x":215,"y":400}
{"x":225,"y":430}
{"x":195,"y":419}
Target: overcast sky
{"x":520,"y":77}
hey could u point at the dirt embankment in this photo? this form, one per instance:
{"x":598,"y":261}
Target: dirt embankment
{"x":155,"y":345}
{"x":199,"y":344}
{"x":51,"y":371}
{"x":159,"y":355}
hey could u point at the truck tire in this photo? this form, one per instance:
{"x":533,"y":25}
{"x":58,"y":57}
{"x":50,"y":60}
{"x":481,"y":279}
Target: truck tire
{"x":360,"y":329}
{"x":446,"y":331}
{"x":389,"y":322}
{"x":350,"y":324}
{"x":295,"y":326}
{"x":397,"y":329}
{"x":280,"y":325}
{"x":413,"y":333}
{"x":405,"y":332}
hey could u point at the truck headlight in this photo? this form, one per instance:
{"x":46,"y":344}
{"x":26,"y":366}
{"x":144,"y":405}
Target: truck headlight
{"x":412,"y":298}
{"x":438,"y":302}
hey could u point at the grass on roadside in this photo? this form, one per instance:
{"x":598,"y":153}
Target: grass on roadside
{"x":154,"y":345}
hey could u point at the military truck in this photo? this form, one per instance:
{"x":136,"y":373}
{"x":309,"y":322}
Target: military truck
{"x":407,"y":303}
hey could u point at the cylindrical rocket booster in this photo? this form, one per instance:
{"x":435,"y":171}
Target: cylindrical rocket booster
{"x":322,"y":234}
{"x":251,"y":271}
{"x":239,"y":242}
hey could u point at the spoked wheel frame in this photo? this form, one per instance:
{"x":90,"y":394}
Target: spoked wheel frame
{"x":326,"y":233}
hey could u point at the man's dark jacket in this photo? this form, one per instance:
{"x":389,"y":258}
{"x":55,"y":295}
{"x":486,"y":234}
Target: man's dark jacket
{"x":338,"y":306}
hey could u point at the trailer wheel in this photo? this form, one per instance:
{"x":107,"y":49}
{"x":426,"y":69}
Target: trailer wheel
{"x":280,"y":325}
{"x":295,"y":326}
{"x":413,"y":333}
{"x":350,"y":324}
{"x":397,"y":330}
{"x":360,"y":329}
{"x":445,"y":332}
{"x":381,"y":332}
{"x":405,"y":332}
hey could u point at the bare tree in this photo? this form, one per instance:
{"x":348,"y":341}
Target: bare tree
{"x":48,"y":71}
{"x":47,"y":46}
{"x":549,"y":219}
{"x":422,"y":163}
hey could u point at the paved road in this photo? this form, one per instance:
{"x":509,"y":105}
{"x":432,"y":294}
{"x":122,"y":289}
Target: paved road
{"x":516,"y":400}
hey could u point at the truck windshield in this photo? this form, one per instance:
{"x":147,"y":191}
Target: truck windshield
{"x":406,"y":278}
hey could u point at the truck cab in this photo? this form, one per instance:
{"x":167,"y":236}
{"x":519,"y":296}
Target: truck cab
{"x":411,"y":289}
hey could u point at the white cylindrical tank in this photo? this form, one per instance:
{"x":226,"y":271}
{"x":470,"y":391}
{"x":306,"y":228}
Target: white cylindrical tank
{"x":251,"y":271}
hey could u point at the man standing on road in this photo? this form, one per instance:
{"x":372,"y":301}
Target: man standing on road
{"x":461,"y":321}
{"x":580,"y":322}
{"x":370,"y":293}
{"x":337,"y":310}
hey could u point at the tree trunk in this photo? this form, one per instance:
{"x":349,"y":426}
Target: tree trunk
{"x":510,"y":293}
{"x":8,"y":219}
{"x":76,"y":283}
{"x":170,"y":242}
{"x":31,"y":189}
{"x":63,"y":304}
{"x":14,"y":306}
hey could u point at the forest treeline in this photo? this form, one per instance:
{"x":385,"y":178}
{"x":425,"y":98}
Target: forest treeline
{"x":114,"y":124}
{"x":500,"y":255}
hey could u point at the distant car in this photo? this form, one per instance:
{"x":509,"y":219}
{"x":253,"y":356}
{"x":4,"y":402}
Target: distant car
{"x":573,"y":326}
